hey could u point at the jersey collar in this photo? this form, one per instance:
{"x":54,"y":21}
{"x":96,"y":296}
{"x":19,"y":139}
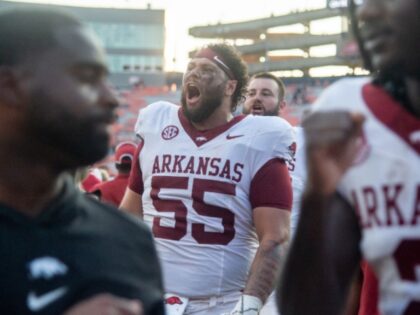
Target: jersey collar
{"x":387,"y":110}
{"x":200,"y":137}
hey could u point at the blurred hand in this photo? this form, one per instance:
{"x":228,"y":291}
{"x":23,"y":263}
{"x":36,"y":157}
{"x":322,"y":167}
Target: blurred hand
{"x":333,"y":140}
{"x":106,"y":304}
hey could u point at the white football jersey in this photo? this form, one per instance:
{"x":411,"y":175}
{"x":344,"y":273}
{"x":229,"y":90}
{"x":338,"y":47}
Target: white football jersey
{"x":196,"y":195}
{"x":383,"y":185}
{"x":298,"y":174}
{"x":297,"y":169}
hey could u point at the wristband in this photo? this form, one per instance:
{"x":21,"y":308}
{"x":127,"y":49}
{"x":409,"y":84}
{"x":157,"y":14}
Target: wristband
{"x":247,"y":305}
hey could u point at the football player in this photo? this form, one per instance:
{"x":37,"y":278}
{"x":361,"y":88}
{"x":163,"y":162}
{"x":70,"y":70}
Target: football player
{"x":266,"y":97}
{"x":363,"y":192}
{"x":112,"y":191}
{"x":214,"y":189}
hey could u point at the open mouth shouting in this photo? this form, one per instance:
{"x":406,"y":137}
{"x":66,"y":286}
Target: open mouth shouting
{"x":257,"y":109}
{"x":193,"y":94}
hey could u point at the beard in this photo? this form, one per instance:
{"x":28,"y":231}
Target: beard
{"x":60,"y":137}
{"x":263,"y":112}
{"x":210,"y":101}
{"x":273,"y":112}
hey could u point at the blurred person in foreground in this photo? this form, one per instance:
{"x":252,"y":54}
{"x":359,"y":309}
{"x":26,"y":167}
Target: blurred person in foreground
{"x":112,"y":191}
{"x":363,"y":191}
{"x":60,"y":250}
{"x":266,"y":97}
{"x":208,"y":184}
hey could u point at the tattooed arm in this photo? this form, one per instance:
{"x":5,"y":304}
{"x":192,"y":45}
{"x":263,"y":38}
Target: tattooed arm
{"x":272,"y":227}
{"x":271,"y":199}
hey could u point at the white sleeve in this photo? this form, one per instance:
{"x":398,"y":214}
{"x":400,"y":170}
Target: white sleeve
{"x":147,"y":116}
{"x":298,"y":174}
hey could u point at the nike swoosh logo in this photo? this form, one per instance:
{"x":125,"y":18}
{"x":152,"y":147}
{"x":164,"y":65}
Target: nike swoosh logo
{"x":36,"y":303}
{"x":229,"y":137}
{"x":220,"y":61}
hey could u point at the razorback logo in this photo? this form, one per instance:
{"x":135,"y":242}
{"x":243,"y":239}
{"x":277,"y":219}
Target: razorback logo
{"x":172,"y":300}
{"x":202,"y":139}
{"x":46,"y":268}
{"x":170,"y":132}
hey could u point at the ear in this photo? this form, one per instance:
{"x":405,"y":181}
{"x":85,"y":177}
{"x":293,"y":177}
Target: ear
{"x":282,"y":106}
{"x":230,"y":87}
{"x":9,"y":87}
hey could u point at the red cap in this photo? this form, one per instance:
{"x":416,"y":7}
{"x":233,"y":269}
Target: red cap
{"x":124,"y":152}
{"x":90,"y":181}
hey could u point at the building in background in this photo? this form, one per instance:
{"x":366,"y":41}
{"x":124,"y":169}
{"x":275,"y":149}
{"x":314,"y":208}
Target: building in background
{"x":134,"y":40}
{"x":288,"y":43}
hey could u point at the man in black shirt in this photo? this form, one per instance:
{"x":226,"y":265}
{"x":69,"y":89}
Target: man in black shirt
{"x":61,"y":252}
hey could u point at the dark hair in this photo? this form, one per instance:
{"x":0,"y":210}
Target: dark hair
{"x":124,"y":168}
{"x":280,"y":84}
{"x":27,"y":32}
{"x":234,"y":61}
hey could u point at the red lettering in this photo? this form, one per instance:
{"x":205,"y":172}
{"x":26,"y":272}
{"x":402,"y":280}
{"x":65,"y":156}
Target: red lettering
{"x":214,"y":165}
{"x":291,"y":164}
{"x":371,"y":206}
{"x":176,"y":207}
{"x":156,"y":168}
{"x":226,"y":170}
{"x":166,"y":160}
{"x":408,"y":260}
{"x":391,"y":205}
{"x":180,"y":211}
{"x":416,"y":212}
{"x":370,"y":214}
{"x":177,"y":168}
{"x":198,"y":230}
{"x":238,"y":172}
{"x":190,"y":166}
{"x":202,"y":165}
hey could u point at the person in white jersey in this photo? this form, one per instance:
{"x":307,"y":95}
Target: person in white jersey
{"x":214,"y":189}
{"x":363,"y":190}
{"x":266,"y":97}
